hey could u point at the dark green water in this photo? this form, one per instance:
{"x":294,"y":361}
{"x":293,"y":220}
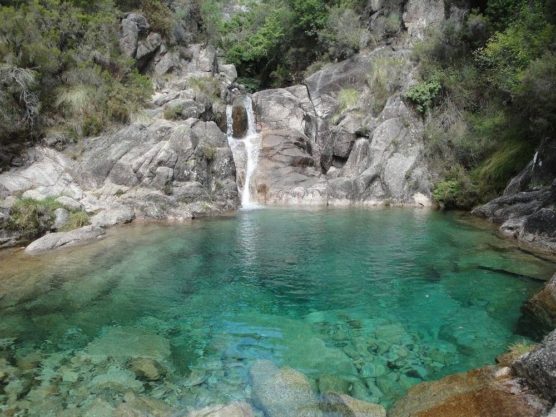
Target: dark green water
{"x":366,"y":301}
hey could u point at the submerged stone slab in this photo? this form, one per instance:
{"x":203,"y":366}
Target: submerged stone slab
{"x":282,"y":392}
{"x":129,"y":342}
{"x":237,"y":409}
{"x":337,"y":405}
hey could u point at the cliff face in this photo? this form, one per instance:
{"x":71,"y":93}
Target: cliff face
{"x":527,"y":209}
{"x":345,"y":136}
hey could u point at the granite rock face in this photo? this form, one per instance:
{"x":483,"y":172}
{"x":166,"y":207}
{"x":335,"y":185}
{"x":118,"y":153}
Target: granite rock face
{"x":153,"y":168}
{"x":319,"y":150}
{"x":480,"y":392}
{"x":527,"y":209}
{"x":538,"y":368}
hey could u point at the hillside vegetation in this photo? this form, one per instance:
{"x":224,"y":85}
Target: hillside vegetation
{"x":488,"y":80}
{"x":487,"y":91}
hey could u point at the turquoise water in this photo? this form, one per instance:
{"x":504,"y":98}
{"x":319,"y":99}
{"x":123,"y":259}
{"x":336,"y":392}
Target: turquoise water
{"x":369,"y":302}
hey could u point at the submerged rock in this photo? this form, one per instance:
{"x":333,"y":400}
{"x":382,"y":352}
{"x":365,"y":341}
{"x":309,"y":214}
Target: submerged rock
{"x":239,"y":121}
{"x":129,"y":342}
{"x":237,"y":409}
{"x":538,"y":368}
{"x":147,"y":368}
{"x":282,"y":392}
{"x":338,"y":405}
{"x":541,"y":308}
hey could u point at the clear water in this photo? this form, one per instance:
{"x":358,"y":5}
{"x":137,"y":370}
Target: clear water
{"x":367,"y":301}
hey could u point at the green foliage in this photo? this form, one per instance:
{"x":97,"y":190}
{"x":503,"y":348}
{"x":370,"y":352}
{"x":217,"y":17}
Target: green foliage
{"x":158,"y":15}
{"x":424,"y":95}
{"x":385,"y":78}
{"x":173,"y":112}
{"x":61,"y":60}
{"x":343,"y":33}
{"x":33,"y":218}
{"x":76,"y":220}
{"x":275,"y":41}
{"x":456,"y":191}
{"x":209,"y":86}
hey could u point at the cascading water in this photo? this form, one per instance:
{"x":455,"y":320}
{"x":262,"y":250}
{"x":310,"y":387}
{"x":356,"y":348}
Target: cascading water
{"x":245,"y":151}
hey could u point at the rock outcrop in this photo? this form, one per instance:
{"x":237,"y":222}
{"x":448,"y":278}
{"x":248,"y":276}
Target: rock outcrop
{"x":282,"y":392}
{"x":320,"y":144}
{"x":64,"y":239}
{"x":527,"y":209}
{"x":539,"y":313}
{"x":154,"y":168}
{"x":480,"y":392}
{"x":538,"y":368}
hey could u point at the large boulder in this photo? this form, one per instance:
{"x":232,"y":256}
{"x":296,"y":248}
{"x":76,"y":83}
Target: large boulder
{"x":64,"y":239}
{"x":132,"y":26}
{"x":538,"y":368}
{"x":480,"y":392}
{"x":282,"y":392}
{"x":240,"y":122}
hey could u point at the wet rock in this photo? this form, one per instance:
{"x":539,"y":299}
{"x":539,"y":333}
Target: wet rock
{"x":538,"y":368}
{"x":129,"y":342}
{"x":471,"y":394}
{"x":64,"y":239}
{"x":237,"y":409}
{"x":116,"y":379}
{"x":99,"y":408}
{"x":331,"y":383}
{"x":240,"y":122}
{"x":338,"y":405}
{"x":282,"y":392}
{"x":147,"y":368}
{"x":540,"y":310}
{"x":141,"y":406}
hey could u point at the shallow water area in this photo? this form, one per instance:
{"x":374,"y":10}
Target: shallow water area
{"x":365,"y":302}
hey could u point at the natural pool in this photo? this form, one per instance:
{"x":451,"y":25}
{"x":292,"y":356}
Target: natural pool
{"x":368,"y":302}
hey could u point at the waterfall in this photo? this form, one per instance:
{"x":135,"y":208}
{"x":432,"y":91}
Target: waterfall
{"x":245,"y":151}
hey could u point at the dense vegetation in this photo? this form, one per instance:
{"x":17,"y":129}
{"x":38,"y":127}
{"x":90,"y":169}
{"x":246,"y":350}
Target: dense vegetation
{"x":272,"y":42}
{"x":61,"y":69}
{"x":488,"y":94}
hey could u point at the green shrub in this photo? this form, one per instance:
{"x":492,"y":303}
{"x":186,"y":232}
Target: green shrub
{"x":208,"y":86}
{"x":424,"y":95}
{"x":385,"y":79}
{"x":76,"y":220}
{"x":158,"y":15}
{"x":62,"y":68}
{"x":347,"y":98}
{"x":343,"y":33}
{"x":173,"y":112}
{"x":33,"y":218}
